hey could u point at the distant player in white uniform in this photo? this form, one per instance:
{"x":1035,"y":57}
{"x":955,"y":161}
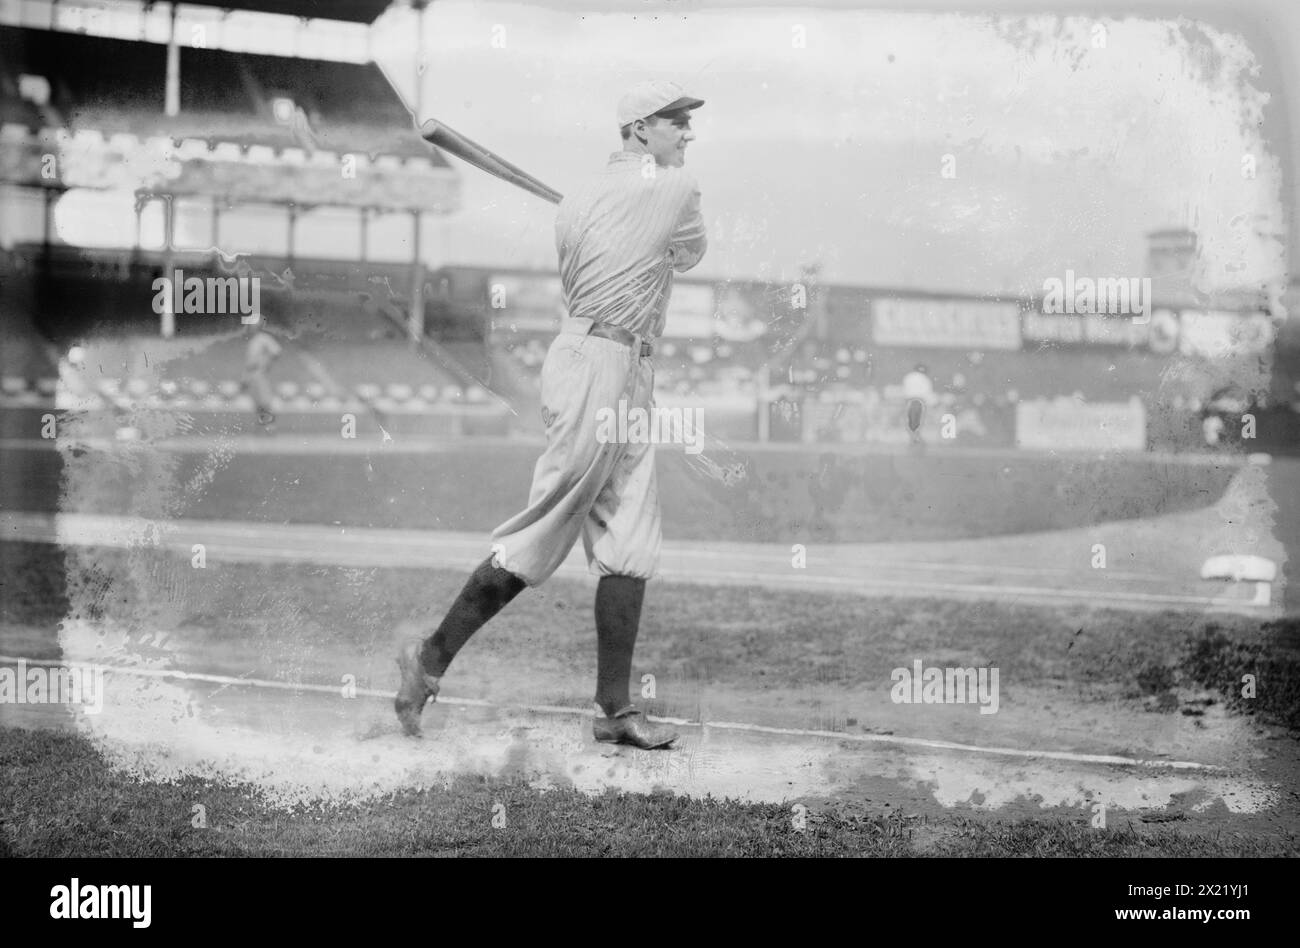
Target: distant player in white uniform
{"x":620,"y":236}
{"x":262,"y":351}
{"x":919,"y":392}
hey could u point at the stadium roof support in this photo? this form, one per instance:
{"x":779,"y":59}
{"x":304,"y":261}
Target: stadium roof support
{"x":231,"y":95}
{"x":349,"y":11}
{"x":168,"y":121}
{"x":251,"y":128}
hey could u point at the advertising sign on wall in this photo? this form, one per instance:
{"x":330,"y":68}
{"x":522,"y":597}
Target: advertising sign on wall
{"x":946,"y":323}
{"x":1072,"y":425}
{"x":1159,"y":333}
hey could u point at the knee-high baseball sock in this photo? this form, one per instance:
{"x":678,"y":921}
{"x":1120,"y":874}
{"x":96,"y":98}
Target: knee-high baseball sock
{"x":618,"y":615}
{"x":486,"y":593}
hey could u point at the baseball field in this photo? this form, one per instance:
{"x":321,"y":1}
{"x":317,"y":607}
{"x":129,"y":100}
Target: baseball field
{"x":246,"y":696}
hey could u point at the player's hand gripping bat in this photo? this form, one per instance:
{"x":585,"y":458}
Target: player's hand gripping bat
{"x":451,"y":141}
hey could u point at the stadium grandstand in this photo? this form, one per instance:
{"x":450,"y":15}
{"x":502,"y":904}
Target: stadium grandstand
{"x":178,"y":148}
{"x":824,"y":363}
{"x":261,"y":140}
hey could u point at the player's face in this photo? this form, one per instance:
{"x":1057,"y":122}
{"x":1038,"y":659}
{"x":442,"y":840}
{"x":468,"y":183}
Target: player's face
{"x":667,"y":137}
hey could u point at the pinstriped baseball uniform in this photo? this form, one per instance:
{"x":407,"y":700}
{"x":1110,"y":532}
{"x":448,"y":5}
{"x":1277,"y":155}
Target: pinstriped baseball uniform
{"x":620,"y":236}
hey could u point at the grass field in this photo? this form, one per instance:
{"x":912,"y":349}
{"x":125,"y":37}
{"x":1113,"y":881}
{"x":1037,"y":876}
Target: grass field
{"x":1093,"y":680}
{"x":262,"y":620}
{"x":760,"y":496}
{"x":800,"y":657}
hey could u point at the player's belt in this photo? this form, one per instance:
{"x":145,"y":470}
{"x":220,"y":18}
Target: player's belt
{"x":606,"y":331}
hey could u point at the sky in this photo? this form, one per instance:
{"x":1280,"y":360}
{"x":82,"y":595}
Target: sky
{"x":824,"y":136}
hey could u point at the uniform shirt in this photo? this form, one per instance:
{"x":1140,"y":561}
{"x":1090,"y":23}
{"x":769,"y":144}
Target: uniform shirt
{"x":262,"y":351}
{"x":621,"y":235}
{"x":918,"y":385}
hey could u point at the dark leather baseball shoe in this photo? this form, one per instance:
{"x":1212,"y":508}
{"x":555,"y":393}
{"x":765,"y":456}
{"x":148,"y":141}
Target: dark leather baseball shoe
{"x":416,"y":688}
{"x":630,"y":726}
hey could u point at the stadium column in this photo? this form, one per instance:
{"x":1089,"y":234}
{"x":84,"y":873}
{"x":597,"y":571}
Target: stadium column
{"x":419,"y":57}
{"x":48,"y":223}
{"x":416,"y":322}
{"x":167,"y":318}
{"x":172,"y":94}
{"x":416,"y":326}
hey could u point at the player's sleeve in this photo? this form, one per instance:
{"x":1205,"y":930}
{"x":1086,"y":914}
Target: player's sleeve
{"x":689,"y":240}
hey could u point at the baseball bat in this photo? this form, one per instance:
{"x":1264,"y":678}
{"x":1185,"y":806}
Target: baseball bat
{"x":470,"y":151}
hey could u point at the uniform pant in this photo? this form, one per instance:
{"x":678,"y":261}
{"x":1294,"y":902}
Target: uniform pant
{"x":258,"y":387}
{"x":601,"y":490}
{"x":915,"y":413}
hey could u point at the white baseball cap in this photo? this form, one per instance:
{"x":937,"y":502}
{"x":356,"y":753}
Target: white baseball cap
{"x":654,"y":95}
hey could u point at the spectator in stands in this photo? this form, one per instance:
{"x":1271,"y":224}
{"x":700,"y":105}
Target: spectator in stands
{"x":919,"y":392}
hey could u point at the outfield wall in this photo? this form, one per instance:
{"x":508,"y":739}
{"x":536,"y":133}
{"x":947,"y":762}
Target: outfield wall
{"x":825,"y":364}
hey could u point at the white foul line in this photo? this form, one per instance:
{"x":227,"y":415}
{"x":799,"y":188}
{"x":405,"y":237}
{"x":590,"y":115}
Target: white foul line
{"x":112,"y":530}
{"x":229,"y":681}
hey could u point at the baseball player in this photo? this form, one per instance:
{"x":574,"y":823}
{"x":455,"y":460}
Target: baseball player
{"x":620,"y":236}
{"x":919,"y":392}
{"x":262,"y":351}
